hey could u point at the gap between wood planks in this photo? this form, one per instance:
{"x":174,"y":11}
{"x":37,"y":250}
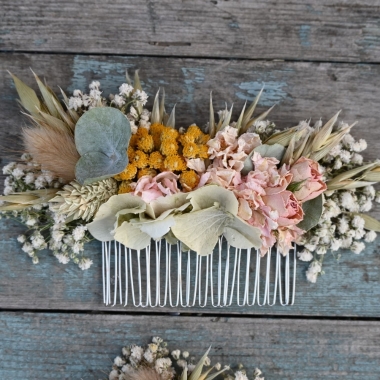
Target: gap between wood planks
{"x":218,"y":58}
{"x":189,"y":314}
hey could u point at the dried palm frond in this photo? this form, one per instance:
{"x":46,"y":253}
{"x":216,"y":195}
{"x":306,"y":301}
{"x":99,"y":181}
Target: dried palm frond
{"x":47,"y":112}
{"x":22,"y":200}
{"x":54,"y":150}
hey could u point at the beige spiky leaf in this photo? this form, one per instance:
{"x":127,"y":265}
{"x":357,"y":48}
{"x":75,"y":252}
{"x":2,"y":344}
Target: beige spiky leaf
{"x":82,"y":202}
{"x":248,"y":114}
{"x":212,"y":126}
{"x":259,"y":118}
{"x":155,"y":117}
{"x":171,"y":120}
{"x":240,"y":120}
{"x":22,"y":200}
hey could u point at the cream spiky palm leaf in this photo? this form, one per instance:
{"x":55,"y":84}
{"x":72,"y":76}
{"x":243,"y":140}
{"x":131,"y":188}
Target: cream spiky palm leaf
{"x":82,"y":202}
{"x":22,"y":200}
{"x":245,"y":120}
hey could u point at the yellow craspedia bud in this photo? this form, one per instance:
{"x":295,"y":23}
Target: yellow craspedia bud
{"x":156,"y":160}
{"x":189,"y":179}
{"x":125,"y":187}
{"x":129,"y":172}
{"x":145,"y":143}
{"x":140,"y":159}
{"x":146,"y":171}
{"x":169,"y":147}
{"x":190,"y":150}
{"x":175,"y":163}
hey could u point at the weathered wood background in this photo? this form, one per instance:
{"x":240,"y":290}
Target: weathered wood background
{"x":314,"y":57}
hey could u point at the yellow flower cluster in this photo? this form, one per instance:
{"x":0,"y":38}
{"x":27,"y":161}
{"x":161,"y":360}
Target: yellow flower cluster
{"x":163,"y":149}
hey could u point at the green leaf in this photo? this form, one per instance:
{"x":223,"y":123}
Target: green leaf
{"x":370,"y":223}
{"x":275,"y":150}
{"x":200,"y":230}
{"x":207,"y":196}
{"x":101,"y":136}
{"x":131,"y":236}
{"x":241,"y":235}
{"x":101,"y":228}
{"x":313,"y":210}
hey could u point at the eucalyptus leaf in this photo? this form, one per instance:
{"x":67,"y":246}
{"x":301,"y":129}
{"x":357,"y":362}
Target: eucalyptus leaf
{"x":101,"y":137}
{"x":313,"y":211}
{"x":275,"y":150}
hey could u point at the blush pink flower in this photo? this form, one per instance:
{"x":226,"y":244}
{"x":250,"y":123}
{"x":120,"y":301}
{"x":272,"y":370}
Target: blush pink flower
{"x":307,"y":173}
{"x":289,"y":209}
{"x":150,"y":188}
{"x":286,"y":237}
{"x":228,"y":150}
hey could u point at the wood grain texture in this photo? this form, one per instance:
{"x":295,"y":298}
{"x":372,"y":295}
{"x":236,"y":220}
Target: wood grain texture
{"x":315,"y":30}
{"x":350,"y":287}
{"x":72,"y":346}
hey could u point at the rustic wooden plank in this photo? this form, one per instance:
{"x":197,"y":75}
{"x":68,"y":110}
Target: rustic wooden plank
{"x":315,"y":30}
{"x":72,"y":346}
{"x":350,"y":287}
{"x":302,"y":90}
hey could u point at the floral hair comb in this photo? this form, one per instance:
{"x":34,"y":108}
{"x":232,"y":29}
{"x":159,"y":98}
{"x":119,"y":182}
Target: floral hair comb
{"x":184,"y":213}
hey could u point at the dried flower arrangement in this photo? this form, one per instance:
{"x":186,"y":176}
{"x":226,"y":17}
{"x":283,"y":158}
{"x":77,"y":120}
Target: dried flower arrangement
{"x":113,"y":170}
{"x":155,"y":362}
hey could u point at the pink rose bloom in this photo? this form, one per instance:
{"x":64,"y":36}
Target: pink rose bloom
{"x":307,"y":171}
{"x":196,"y":164}
{"x":150,"y":188}
{"x":289,"y":209}
{"x":268,"y":166}
{"x":248,"y":141}
{"x":227,"y":178}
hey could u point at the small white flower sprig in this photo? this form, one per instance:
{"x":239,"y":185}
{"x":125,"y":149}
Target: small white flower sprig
{"x":46,"y":228}
{"x":342,"y":224}
{"x":155,"y":362}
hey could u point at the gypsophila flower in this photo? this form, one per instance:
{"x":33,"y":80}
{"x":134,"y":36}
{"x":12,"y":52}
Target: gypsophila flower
{"x":370,"y":236}
{"x":305,"y":255}
{"x":62,"y":258}
{"x":185,"y":354}
{"x":141,"y":96}
{"x":239,"y":375}
{"x":119,"y":100}
{"x":314,"y":270}
{"x":85,"y":263}
{"x":137,"y":353}
{"x":176,"y":354}
{"x":119,"y":361}
{"x":148,"y":356}
{"x":357,"y":247}
{"x":125,"y":89}
{"x":21,"y":238}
